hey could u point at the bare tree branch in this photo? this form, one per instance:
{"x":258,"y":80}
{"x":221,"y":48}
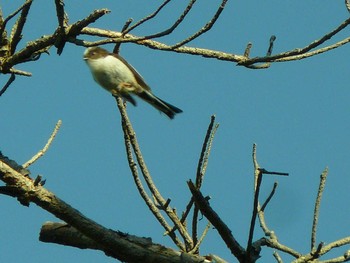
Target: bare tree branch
{"x":70,"y":32}
{"x":195,"y":249}
{"x":226,"y":234}
{"x":130,"y":133}
{"x":46,"y":147}
{"x":273,"y":243}
{"x":16,"y":33}
{"x":206,"y":28}
{"x":142,"y":191}
{"x":175,"y":25}
{"x":8,"y":83}
{"x":64,"y":234}
{"x":62,"y":25}
{"x":301,"y":53}
{"x":268,"y":199}
{"x":41,"y":45}
{"x":323,"y":178}
{"x":9,"y":17}
{"x":277,"y":257}
{"x":115,"y":243}
{"x":146,"y":18}
{"x":201,"y":169}
{"x":61,"y":14}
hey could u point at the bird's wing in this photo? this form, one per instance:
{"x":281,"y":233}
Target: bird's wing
{"x":138,"y":77}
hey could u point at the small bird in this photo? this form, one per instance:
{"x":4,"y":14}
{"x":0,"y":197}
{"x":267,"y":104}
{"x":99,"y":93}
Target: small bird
{"x":113,"y":73}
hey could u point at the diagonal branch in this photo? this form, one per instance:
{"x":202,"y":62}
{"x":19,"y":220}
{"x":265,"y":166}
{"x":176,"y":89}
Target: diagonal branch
{"x":175,"y":25}
{"x":46,"y":147}
{"x":236,"y":249}
{"x":116,"y":244}
{"x":143,"y":20}
{"x":9,"y":17}
{"x":130,"y":133}
{"x":206,"y":28}
{"x":140,"y":188}
{"x":201,"y":169}
{"x":296,"y":53}
{"x":16,"y":33}
{"x":323,"y":178}
{"x":62,"y":25}
{"x":8,"y":83}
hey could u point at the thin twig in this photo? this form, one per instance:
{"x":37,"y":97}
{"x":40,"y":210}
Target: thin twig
{"x":316,"y":253}
{"x":148,"y":179}
{"x":206,"y":156}
{"x":268,"y":54}
{"x":143,"y":20}
{"x":264,"y":226}
{"x":255,"y":211}
{"x":321,"y":186}
{"x":187,"y":210}
{"x":268,"y":199}
{"x":264,"y":171}
{"x":206,"y":28}
{"x":195,"y":224}
{"x":126,"y":26}
{"x":116,"y":49}
{"x":273,"y":243}
{"x":20,"y":72}
{"x":277,"y":257}
{"x":201,"y":169}
{"x":247,"y":50}
{"x":195,"y":249}
{"x":257,"y":182}
{"x":203,"y":151}
{"x":269,"y":51}
{"x":46,"y":147}
{"x":8,"y":83}
{"x":175,"y":25}
{"x":77,"y":27}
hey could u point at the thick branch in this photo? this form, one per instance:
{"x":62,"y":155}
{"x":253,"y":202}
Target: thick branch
{"x":116,"y":243}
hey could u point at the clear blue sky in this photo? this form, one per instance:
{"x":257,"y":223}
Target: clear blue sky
{"x":296,"y":112}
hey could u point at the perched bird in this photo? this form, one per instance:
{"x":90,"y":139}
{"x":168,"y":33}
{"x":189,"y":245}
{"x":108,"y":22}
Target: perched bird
{"x":113,"y":73}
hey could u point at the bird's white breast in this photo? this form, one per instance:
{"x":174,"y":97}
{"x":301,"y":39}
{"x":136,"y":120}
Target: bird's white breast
{"x":109,"y":72}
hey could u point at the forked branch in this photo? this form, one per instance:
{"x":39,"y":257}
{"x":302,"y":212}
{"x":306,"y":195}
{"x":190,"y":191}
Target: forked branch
{"x":132,"y":147}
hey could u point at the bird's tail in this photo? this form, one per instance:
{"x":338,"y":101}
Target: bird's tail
{"x":159,"y":104}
